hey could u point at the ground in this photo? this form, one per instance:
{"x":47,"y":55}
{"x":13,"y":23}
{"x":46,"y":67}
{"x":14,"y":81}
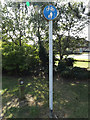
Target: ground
{"x":70,"y":98}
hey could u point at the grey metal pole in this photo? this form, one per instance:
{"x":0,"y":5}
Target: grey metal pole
{"x":50,"y":69}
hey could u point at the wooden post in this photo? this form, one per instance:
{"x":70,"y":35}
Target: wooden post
{"x":21,"y":88}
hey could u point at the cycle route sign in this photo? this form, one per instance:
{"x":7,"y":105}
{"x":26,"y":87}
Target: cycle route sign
{"x":50,"y":12}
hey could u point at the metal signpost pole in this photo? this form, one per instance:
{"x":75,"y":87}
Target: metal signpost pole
{"x":50,"y":69}
{"x":50,"y":13}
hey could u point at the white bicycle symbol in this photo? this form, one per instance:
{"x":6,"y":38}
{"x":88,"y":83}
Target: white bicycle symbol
{"x":50,"y":8}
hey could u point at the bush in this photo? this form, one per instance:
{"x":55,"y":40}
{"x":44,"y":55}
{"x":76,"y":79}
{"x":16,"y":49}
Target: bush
{"x":67,"y":73}
{"x":69,"y":61}
{"x":88,"y":74}
{"x":75,"y":73}
{"x":21,"y":60}
{"x":61,"y":66}
{"x":66,"y":70}
{"x":78,"y":69}
{"x":80,"y":73}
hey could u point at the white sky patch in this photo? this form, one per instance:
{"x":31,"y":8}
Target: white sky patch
{"x":85,"y":1}
{"x":31,"y":43}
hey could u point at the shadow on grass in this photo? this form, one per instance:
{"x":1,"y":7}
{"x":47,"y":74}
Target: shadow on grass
{"x":22,"y":112}
{"x":70,"y":99}
{"x":36,"y":98}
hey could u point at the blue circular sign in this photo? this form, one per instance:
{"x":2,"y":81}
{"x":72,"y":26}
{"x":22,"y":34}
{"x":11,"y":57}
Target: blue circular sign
{"x":50,"y":12}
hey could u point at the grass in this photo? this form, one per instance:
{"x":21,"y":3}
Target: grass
{"x":81,"y":64}
{"x":36,"y":92}
{"x":70,"y":98}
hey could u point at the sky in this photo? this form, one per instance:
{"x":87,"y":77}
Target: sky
{"x":86,"y":1}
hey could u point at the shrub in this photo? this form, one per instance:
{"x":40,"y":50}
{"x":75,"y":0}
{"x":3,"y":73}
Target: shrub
{"x":78,"y":69}
{"x":64,"y":64}
{"x":88,"y":74}
{"x":67,"y":73}
{"x":80,"y":73}
{"x":75,"y":73}
{"x":61,"y":66}
{"x":69,"y":61}
{"x":21,"y":60}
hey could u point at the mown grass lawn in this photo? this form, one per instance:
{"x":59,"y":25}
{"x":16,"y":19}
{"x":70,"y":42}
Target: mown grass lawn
{"x":70,"y":98}
{"x":81,"y":64}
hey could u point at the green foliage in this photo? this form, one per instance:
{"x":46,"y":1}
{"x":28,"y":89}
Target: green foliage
{"x":69,"y":61}
{"x":67,"y":73}
{"x":75,"y":73}
{"x":43,"y":55}
{"x":80,"y":73}
{"x":63,"y":64}
{"x":21,"y":27}
{"x":70,"y":20}
{"x":20,"y":60}
{"x":66,"y":70}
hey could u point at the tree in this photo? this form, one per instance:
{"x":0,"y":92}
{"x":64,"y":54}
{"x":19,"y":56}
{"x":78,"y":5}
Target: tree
{"x":70,"y":21}
{"x":18,"y":57}
{"x":39,"y":29}
{"x":16,"y":23}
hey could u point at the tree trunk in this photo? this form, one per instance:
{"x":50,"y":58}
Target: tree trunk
{"x":20,"y":42}
{"x":20,"y":39}
{"x":38,"y":34}
{"x":60,"y":50}
{"x":19,"y":26}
